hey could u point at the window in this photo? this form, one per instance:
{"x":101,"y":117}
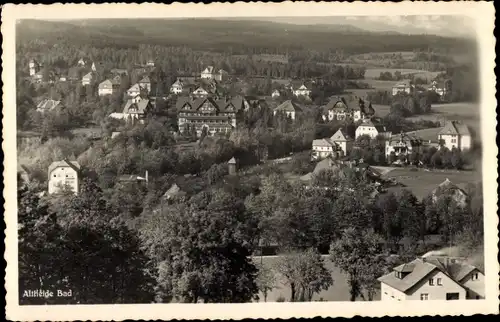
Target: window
{"x":431,"y":281}
{"x":439,"y":281}
{"x":453,"y":140}
{"x":474,"y":277}
{"x":54,"y":175}
{"x":424,"y":296}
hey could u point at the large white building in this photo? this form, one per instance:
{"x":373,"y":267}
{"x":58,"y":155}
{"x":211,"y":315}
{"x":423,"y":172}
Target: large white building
{"x":455,"y":134}
{"x":372,"y":130}
{"x":63,"y":174}
{"x":403,"y":87}
{"x":433,"y":278}
{"x":340,"y":144}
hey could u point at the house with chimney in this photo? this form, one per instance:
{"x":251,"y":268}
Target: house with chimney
{"x":372,"y":129}
{"x":216,"y":115}
{"x":404,"y":87}
{"x":433,"y":277}
{"x":339,"y":144}
{"x":63,"y":175}
{"x":455,"y":134}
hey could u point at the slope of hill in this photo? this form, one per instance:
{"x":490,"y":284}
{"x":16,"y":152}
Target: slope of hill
{"x":217,"y":34}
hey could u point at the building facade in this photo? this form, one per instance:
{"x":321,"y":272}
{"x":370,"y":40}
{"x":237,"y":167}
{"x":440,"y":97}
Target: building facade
{"x":403,"y":87}
{"x":339,"y":144}
{"x":455,"y":134}
{"x":403,"y":143}
{"x":372,"y":130}
{"x":88,"y":79}
{"x":63,"y":174}
{"x":433,"y":278}
{"x":108,"y":87}
{"x":288,"y":108}
{"x":217,"y":116}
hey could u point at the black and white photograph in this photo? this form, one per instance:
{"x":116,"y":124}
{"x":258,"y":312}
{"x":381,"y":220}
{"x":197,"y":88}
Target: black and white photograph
{"x":264,"y":159}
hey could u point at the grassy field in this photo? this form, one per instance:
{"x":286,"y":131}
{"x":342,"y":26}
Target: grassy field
{"x":375,"y":72}
{"x":339,"y":291}
{"x":422,"y":182}
{"x":469,"y":113}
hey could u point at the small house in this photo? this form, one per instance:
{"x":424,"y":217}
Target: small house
{"x":63,"y":174}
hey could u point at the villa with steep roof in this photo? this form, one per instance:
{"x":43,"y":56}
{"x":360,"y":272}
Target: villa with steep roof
{"x":63,"y":174}
{"x":340,"y":144}
{"x":433,"y":278}
{"x":403,"y":143}
{"x":455,"y":134}
{"x":289,"y":108}
{"x":340,"y":108}
{"x":134,"y":90}
{"x":136,"y":109}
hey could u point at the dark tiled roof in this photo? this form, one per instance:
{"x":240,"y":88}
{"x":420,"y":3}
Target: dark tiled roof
{"x":136,"y":108}
{"x":223,"y":105}
{"x":288,"y":106}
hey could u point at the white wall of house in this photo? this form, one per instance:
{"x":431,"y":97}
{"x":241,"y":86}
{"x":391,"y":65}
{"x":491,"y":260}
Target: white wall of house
{"x":462,"y":142}
{"x":388,"y":293}
{"x":61,"y":176}
{"x":206,"y":75}
{"x":435,"y":291}
{"x":176,"y":89}
{"x":475,"y":282}
{"x":366,"y":130}
{"x":396,"y":90}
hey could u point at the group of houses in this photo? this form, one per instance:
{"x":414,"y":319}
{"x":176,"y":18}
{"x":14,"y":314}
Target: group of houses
{"x":442,"y":88}
{"x":453,"y":135}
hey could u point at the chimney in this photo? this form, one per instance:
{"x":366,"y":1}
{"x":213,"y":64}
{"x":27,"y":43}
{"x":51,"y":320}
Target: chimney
{"x":147,"y":179}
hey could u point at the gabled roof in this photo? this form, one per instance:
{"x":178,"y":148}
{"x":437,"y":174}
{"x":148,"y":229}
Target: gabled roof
{"x":419,"y":268}
{"x":145,"y":80}
{"x":140,"y":107}
{"x":209,"y":70}
{"x":454,"y":128}
{"x":65,"y":163}
{"x":109,"y":82}
{"x":222,"y":105}
{"x":134,"y":88}
{"x":340,"y":135}
{"x":322,"y":142}
{"x":288,"y":106}
{"x":48,"y":104}
{"x":119,"y":71}
{"x":88,"y":75}
{"x":232,"y":161}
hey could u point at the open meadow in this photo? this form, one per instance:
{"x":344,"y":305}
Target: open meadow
{"x":421,"y":182}
{"x":375,"y":72}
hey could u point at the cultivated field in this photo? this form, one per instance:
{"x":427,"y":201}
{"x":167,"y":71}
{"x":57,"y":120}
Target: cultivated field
{"x":339,"y":291}
{"x":422,"y":182}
